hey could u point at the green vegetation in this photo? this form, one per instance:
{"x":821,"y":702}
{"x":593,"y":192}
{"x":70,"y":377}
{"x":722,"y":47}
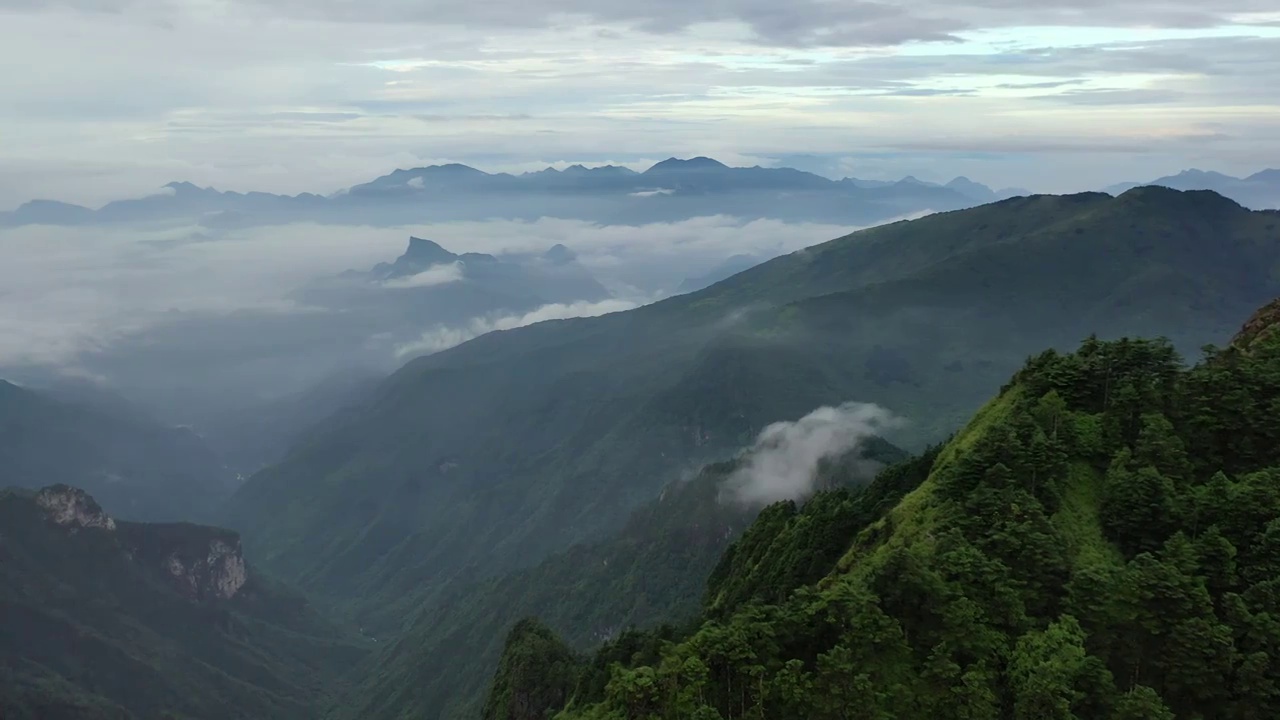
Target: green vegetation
{"x":1100,"y":541}
{"x":497,"y":454}
{"x":652,"y":572}
{"x":94,"y":623}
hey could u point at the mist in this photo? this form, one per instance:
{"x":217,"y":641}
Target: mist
{"x":783,"y":462}
{"x":202,"y":326}
{"x":443,"y":338}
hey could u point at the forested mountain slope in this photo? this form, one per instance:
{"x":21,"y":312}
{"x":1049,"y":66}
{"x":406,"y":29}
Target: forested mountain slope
{"x":651,"y":573}
{"x":1100,"y":541}
{"x":518,"y":444}
{"x":139,"y":468}
{"x":102,"y":618}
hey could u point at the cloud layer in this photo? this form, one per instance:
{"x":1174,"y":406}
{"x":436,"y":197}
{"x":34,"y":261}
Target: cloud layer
{"x":66,"y":291}
{"x":783,"y":463}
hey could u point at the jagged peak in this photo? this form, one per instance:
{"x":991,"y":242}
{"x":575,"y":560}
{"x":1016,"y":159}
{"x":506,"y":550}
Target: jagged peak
{"x":421,"y":250}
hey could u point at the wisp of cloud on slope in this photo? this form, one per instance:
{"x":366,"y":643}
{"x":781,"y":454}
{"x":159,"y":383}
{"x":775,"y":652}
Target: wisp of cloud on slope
{"x":443,"y":338}
{"x":432,"y":276}
{"x":783,"y":463}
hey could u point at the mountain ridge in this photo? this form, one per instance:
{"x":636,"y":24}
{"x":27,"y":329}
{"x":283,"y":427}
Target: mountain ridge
{"x":1096,"y":542}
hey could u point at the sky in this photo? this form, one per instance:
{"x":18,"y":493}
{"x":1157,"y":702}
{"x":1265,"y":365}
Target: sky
{"x":114,"y":98}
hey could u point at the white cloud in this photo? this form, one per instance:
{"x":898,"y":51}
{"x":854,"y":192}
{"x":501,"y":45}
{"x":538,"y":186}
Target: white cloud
{"x":651,"y":193}
{"x":783,"y":463}
{"x":443,"y":338}
{"x":66,"y":290}
{"x":434,"y":275}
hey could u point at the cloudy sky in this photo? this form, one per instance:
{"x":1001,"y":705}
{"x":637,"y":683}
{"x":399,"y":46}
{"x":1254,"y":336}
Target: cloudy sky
{"x":112,"y":98}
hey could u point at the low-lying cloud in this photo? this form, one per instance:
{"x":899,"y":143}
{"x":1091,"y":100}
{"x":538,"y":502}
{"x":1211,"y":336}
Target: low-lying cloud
{"x":432,"y":276}
{"x":783,"y":463}
{"x":443,"y":338}
{"x":67,"y":291}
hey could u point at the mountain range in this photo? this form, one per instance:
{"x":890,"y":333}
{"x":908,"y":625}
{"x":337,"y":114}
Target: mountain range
{"x":1260,"y":191}
{"x":670,"y":190}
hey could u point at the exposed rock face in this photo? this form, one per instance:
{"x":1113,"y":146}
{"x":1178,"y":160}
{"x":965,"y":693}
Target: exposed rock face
{"x":220,"y":573}
{"x":73,"y":507}
{"x":205,"y":563}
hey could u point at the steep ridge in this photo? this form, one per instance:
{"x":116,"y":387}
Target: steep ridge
{"x":137,"y":467}
{"x":519,"y":444}
{"x":1098,"y":542}
{"x":652,"y":572}
{"x":107,"y":618}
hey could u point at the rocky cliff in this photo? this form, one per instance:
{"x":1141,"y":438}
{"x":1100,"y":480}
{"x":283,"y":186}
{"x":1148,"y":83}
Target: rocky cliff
{"x":203,"y":563}
{"x":219,"y":574}
{"x":73,"y":507}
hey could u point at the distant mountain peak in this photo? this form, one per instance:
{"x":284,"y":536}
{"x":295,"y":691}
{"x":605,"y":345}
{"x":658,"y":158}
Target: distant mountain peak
{"x":1269,"y":175}
{"x":701,"y":163}
{"x":425,"y":252}
{"x":1198,"y":173}
{"x":184,"y":188}
{"x":558,"y":254}
{"x":451,"y":169}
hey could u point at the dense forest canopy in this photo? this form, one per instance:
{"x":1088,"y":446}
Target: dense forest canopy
{"x":1102,"y":540}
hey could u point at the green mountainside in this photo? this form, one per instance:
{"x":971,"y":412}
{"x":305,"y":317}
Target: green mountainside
{"x":519,"y":444}
{"x":652,"y":572}
{"x":1101,"y":540}
{"x":136,"y":467}
{"x":110,"y":619}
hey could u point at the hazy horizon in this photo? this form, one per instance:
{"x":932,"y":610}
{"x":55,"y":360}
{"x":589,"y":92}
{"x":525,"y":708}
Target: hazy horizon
{"x":288,"y":97}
